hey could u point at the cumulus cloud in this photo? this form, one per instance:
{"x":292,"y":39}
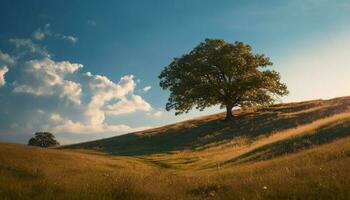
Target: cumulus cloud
{"x":106,"y":98}
{"x":58,"y":96}
{"x":46,"y":77}
{"x":128,"y":105}
{"x":3,"y":71}
{"x":69,"y":126}
{"x":6,"y":59}
{"x":27,"y":46}
{"x":103,"y":91}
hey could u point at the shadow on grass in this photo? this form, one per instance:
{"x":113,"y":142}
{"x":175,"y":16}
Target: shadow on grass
{"x":321,"y":136}
{"x":195,"y":134}
{"x":23,"y":174}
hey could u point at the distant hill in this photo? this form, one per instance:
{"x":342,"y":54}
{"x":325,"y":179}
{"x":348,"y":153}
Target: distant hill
{"x":286,"y":151}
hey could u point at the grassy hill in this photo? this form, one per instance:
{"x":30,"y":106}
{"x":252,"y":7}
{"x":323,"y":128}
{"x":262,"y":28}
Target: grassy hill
{"x":287,"y":151}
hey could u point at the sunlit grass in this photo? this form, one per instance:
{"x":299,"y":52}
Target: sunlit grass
{"x":319,"y":173}
{"x":295,"y":151}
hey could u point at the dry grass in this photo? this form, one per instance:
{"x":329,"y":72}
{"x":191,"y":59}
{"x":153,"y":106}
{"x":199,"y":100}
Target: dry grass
{"x":32,"y":173}
{"x":288,"y":151}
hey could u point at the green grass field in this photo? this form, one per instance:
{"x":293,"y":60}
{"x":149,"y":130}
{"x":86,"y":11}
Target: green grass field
{"x":287,"y":151}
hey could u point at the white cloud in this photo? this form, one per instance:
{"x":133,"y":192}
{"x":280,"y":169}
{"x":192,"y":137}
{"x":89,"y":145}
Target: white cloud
{"x":41,"y":34}
{"x":89,"y":74}
{"x":56,"y":117}
{"x":3,"y":71}
{"x":46,"y":77}
{"x":125,"y":106}
{"x":101,"y":85}
{"x":70,"y":38}
{"x":41,"y":111}
{"x":78,"y":103}
{"x":158,"y":114}
{"x":107,"y":98}
{"x":69,"y":126}
{"x":146,"y":89}
{"x":72,"y":90}
{"x":29,"y":46}
{"x":104,"y":90}
{"x":6,"y":59}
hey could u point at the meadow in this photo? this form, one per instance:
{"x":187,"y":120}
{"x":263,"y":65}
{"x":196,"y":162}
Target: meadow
{"x":286,"y":151}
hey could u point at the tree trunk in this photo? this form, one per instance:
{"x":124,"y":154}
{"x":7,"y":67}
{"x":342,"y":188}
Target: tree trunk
{"x":229,"y":115}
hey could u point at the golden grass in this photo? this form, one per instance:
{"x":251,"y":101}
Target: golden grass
{"x":288,"y":151}
{"x":33,"y":173}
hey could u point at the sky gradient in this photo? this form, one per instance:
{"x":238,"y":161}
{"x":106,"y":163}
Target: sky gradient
{"x":85,"y":70}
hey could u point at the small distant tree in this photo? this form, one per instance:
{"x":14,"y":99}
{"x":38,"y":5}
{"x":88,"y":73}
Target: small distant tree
{"x":220,"y":73}
{"x":43,"y":139}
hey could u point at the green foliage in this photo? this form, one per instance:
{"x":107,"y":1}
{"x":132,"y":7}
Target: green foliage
{"x":43,"y":139}
{"x":220,"y":73}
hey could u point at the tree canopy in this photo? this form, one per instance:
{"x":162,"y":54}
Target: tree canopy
{"x":219,"y":73}
{"x":43,"y":139}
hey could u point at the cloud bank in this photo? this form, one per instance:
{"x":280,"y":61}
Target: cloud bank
{"x":58,"y":96}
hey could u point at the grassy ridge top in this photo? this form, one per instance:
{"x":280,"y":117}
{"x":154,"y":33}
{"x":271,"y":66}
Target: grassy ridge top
{"x":211,"y":131}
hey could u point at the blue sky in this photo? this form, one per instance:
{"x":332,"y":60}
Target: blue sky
{"x":85,"y":69}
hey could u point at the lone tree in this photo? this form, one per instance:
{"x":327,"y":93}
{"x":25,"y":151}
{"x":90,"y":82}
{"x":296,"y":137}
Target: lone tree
{"x":219,"y":73}
{"x":43,"y":139}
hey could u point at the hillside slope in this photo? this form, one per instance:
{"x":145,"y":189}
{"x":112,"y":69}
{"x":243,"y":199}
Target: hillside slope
{"x":287,"y":151}
{"x":253,"y":135}
{"x":26,"y":172}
